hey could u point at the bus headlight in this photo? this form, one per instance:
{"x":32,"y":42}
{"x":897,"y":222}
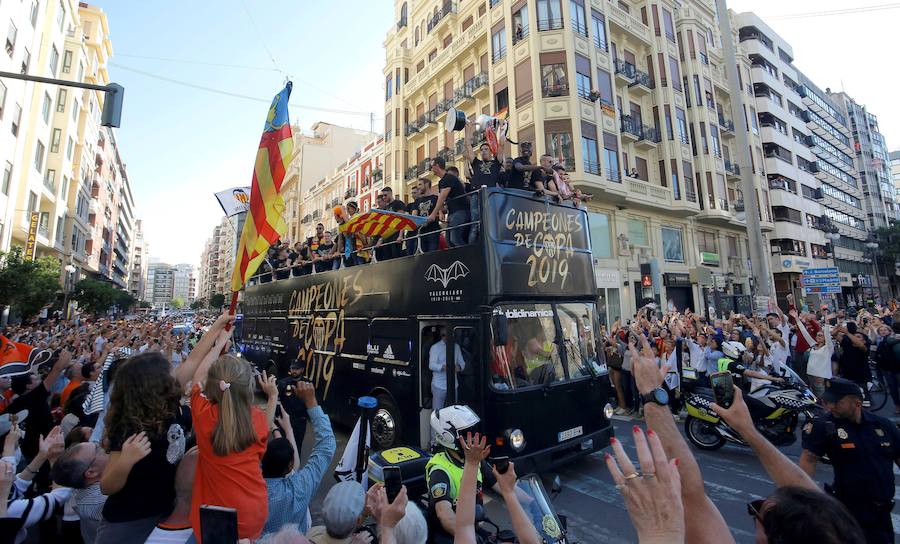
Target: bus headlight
{"x":516,"y":439}
{"x":608,"y":410}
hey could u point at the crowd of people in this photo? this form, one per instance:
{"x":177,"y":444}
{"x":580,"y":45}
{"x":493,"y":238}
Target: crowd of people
{"x":451,"y":210}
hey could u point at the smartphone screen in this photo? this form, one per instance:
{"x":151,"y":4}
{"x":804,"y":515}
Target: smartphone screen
{"x":501,"y":464}
{"x":218,"y":524}
{"x":723,"y":388}
{"x":393,"y":481}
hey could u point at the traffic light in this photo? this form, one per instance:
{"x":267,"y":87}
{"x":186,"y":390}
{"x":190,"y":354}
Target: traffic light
{"x":646,"y":276}
{"x":112,"y":105}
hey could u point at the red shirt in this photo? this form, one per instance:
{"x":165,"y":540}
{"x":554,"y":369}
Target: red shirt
{"x":812,"y":327}
{"x":235,"y":480}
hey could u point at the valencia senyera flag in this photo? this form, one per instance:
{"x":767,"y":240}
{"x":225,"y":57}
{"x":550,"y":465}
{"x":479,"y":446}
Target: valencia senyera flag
{"x":377,"y":222}
{"x":265,"y":222}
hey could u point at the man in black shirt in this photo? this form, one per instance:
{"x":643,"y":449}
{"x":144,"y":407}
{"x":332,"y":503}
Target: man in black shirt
{"x":452,"y":194}
{"x":384,"y":248}
{"x":422,"y":206}
{"x":520,"y":177}
{"x":854,"y":362}
{"x":484,"y":172}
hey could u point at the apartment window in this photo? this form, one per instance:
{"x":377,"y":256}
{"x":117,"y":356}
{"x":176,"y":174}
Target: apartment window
{"x":64,"y":190}
{"x":498,"y":43}
{"x":599,"y":25}
{"x":601,"y":235}
{"x":704,"y":142}
{"x":32,"y":202}
{"x":14,"y":126}
{"x":26,"y":61}
{"x":682,"y":125}
{"x":707,"y":242}
{"x":524,"y":87}
{"x":2,"y":99}
{"x":388,"y":87}
{"x":80,"y":71}
{"x":45,"y":108}
{"x":637,"y":232}
{"x":75,"y":109}
{"x":11,"y":35}
{"x":787,"y":246}
{"x":589,"y":149}
{"x":432,"y":55}
{"x":61,"y":96}
{"x":501,"y":97}
{"x":676,"y":186}
{"x":640,"y":166}
{"x":668,"y":25}
{"x":579,"y":19}
{"x":753,"y":122}
{"x":549,"y":14}
{"x":670,"y":132}
{"x":7,"y":178}
{"x":673,"y":245}
{"x":61,"y":15}
{"x":35,"y":5}
{"x":60,"y":225}
{"x":674,"y":73}
{"x":583,"y":76}
{"x":39,"y":157}
{"x":655,"y":10}
{"x":54,"y":141}
{"x":554,"y":81}
{"x":520,"y":23}
{"x":558,"y":138}
{"x":67,"y":61}
{"x":790,"y":215}
{"x":70,"y":147}
{"x":611,"y":157}
{"x":714,"y":134}
{"x":697,"y":91}
{"x":54,"y":60}
{"x":50,"y":179}
{"x":604,"y":84}
{"x":662,"y":70}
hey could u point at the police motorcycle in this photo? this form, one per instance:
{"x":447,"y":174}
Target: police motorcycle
{"x":774,"y":406}
{"x":415,"y":466}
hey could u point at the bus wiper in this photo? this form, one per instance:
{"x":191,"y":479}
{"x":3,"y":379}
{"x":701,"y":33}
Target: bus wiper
{"x":577,"y":349}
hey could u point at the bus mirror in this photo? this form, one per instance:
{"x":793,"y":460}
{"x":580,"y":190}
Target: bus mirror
{"x":501,"y":329}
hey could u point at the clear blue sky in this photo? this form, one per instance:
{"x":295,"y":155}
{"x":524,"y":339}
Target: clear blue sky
{"x":182,"y":144}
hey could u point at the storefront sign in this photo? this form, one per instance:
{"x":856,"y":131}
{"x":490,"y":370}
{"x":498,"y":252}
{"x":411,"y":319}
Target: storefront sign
{"x":31,"y":241}
{"x":607,"y":278}
{"x":677,"y":280}
{"x":709,"y":258}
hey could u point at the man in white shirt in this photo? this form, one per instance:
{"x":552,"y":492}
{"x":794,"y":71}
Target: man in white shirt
{"x":437,"y":362}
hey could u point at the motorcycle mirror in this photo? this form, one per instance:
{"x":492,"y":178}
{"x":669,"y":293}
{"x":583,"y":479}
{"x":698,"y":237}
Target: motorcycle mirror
{"x":556,"y":486}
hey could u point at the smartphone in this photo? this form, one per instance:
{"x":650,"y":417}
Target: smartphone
{"x":393,"y":481}
{"x":501,"y":464}
{"x":218,"y":524}
{"x":723,"y":388}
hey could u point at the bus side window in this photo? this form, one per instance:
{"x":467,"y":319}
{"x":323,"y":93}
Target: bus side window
{"x":428,"y":339}
{"x":467,"y":378}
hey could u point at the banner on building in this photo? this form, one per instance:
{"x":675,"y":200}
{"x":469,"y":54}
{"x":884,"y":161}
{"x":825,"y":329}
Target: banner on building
{"x":234,"y":200}
{"x":31,"y":242}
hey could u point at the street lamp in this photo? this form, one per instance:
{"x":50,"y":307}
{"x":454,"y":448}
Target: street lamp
{"x":872,"y":246}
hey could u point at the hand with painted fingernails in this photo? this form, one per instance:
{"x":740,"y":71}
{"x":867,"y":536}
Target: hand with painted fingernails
{"x":652,"y":492}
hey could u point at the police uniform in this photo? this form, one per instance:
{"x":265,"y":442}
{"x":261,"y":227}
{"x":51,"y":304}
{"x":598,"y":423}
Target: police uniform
{"x":444,"y":477}
{"x":863,"y":456}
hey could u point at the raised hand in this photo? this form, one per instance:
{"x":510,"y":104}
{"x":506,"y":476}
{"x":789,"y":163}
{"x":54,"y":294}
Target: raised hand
{"x":475,"y":447}
{"x":268,"y":384}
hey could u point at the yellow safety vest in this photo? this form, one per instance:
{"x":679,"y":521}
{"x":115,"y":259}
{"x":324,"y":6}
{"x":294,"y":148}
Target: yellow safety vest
{"x":442,"y":461}
{"x":723,"y":363}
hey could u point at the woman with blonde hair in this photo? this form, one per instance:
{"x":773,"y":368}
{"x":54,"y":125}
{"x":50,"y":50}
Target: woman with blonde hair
{"x":231,"y":432}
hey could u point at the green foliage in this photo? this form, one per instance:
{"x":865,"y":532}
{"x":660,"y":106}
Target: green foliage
{"x":145,"y":304}
{"x":99,"y":296}
{"x":177,"y":303}
{"x":889,"y":242}
{"x":198,"y":304}
{"x":217,"y":301}
{"x":27,"y":286}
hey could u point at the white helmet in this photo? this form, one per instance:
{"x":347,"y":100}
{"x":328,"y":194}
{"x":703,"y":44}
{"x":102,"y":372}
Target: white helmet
{"x":448,"y":422}
{"x":733,"y":350}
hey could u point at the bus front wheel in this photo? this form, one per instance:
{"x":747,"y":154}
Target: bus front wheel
{"x":386,"y":424}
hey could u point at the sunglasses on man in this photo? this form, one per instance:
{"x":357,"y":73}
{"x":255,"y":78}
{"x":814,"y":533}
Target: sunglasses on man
{"x":754,"y":509}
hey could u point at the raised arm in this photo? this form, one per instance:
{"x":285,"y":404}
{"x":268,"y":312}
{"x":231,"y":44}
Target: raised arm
{"x":522,"y":526}
{"x":185,"y":371}
{"x":476,"y":450}
{"x":324,"y":446}
{"x":802,"y":328}
{"x":63,"y":362}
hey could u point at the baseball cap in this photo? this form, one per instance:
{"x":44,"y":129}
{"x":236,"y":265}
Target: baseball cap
{"x":838,"y":388}
{"x":343,"y":506}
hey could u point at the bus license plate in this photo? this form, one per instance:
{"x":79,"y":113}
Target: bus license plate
{"x":571,"y":433}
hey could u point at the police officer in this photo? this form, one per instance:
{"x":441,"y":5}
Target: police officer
{"x":444,"y":471}
{"x":863,"y":448}
{"x":293,"y":404}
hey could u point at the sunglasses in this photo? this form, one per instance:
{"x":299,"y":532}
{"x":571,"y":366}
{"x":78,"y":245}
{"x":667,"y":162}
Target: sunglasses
{"x":754,"y":509}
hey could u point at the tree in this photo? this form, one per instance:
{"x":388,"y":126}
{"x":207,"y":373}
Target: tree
{"x":197,"y":304}
{"x":95,"y":296}
{"x":145,"y":304}
{"x":124,"y":300}
{"x":177,"y":303}
{"x":889,"y":242}
{"x":27,"y":286}
{"x":217,"y":301}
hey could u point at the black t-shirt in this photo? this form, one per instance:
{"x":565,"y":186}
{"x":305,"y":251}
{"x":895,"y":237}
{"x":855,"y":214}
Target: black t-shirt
{"x":854,"y":361}
{"x":424,"y":205}
{"x":516,"y":179}
{"x":485,"y":173}
{"x":452,"y":182}
{"x":39,"y":421}
{"x":149,"y":489}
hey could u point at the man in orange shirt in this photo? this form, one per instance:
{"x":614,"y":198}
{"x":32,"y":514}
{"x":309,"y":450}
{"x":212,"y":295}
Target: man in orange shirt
{"x":73,"y":374}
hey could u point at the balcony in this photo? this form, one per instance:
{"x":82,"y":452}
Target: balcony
{"x":520,"y":34}
{"x":642,"y":135}
{"x":618,"y":17}
{"x":551,"y":91}
{"x":444,"y":14}
{"x":732,"y":171}
{"x":591,"y":167}
{"x":727,"y":126}
{"x":650,"y":136}
{"x":645,"y":193}
{"x":642,"y":83}
{"x":550,"y":24}
{"x":401,"y":23}
{"x":630,"y":130}
{"x":625,"y":71}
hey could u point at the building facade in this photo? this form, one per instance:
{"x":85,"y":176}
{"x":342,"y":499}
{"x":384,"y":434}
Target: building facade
{"x":895,"y":172}
{"x":656,"y":149}
{"x":217,"y":258}
{"x":140,"y":259}
{"x":184,"y":283}
{"x":57,"y":160}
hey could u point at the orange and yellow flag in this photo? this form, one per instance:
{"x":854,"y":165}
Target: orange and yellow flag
{"x":265,"y":222}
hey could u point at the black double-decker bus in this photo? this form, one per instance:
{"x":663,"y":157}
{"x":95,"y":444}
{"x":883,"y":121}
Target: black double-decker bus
{"x":515,"y":311}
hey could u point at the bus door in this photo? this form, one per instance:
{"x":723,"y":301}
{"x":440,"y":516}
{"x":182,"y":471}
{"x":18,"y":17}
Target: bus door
{"x":435,"y":375}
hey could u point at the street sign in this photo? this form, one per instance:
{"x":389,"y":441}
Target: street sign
{"x":31,"y":241}
{"x":831,"y":271}
{"x":820,"y":280}
{"x":819,"y":289}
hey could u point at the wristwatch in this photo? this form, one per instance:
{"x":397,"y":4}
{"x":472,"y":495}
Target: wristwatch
{"x":659,"y":396}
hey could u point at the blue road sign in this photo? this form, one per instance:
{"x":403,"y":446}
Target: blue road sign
{"x":831,"y":271}
{"x":823,"y":289}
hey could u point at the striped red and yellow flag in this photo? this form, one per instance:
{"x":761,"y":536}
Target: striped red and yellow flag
{"x":265,"y":222}
{"x":377,"y":222}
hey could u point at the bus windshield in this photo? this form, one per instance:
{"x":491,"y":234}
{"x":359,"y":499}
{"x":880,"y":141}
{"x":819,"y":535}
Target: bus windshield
{"x":533,"y":355}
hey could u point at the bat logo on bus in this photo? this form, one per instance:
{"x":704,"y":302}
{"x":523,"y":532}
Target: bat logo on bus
{"x":445,"y":275}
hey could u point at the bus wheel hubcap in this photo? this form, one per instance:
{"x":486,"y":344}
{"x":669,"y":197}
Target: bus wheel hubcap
{"x":384,"y":427}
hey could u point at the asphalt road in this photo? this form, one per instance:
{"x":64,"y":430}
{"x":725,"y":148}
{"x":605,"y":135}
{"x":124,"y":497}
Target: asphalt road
{"x":595,"y":511}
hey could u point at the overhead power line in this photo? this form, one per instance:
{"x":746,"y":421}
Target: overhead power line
{"x":845,"y":11}
{"x":235,"y":95}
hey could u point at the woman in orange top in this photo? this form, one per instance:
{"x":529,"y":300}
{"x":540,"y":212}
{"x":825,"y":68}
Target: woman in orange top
{"x":231,"y":434}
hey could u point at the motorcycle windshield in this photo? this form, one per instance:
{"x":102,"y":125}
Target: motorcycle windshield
{"x":794,"y":376}
{"x":536,"y":505}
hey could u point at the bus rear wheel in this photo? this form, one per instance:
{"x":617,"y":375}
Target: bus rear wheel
{"x":386,"y":424}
